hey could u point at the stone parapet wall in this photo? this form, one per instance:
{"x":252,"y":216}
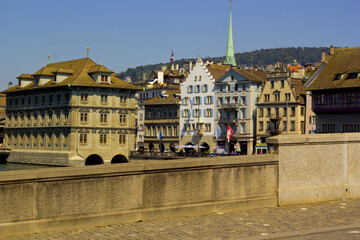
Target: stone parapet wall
{"x":40,"y":157}
{"x":319,"y":167}
{"x":74,"y":197}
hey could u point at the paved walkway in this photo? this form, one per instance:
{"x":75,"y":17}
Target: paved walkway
{"x":330,"y":220}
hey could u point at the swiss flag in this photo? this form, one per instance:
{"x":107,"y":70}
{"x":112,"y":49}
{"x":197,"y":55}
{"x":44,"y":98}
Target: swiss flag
{"x":229,"y":133}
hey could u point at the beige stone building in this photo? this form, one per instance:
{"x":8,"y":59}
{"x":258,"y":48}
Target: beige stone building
{"x":281,"y":106}
{"x":70,"y":113}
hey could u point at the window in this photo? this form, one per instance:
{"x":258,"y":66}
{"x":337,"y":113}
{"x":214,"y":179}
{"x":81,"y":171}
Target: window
{"x":103,"y":138}
{"x":287,"y":96}
{"x":277,"y":96}
{"x":229,"y":88}
{"x":352,"y":76}
{"x":272,"y":84}
{"x":122,"y":118}
{"x":66,"y":139}
{"x":209,"y":112}
{"x":190,"y":89}
{"x":195,"y":78}
{"x":244,"y":87}
{"x":232,"y":77}
{"x":267,"y":97}
{"x":302,"y":111}
{"x":220,"y":101}
{"x":197,"y":113}
{"x":197,"y":88}
{"x":58,"y":118}
{"x":83,"y":138}
{"x":122,"y":139}
{"x":236,"y":87}
{"x":282,"y":83}
{"x":268,"y":112}
{"x":175,"y":131}
{"x":43,"y":100}
{"x":186,"y":101}
{"x":285,"y":111}
{"x":261,"y":112}
{"x":284,"y":125}
{"x":103,"y":117}
{"x":338,"y":76}
{"x":22,"y":102}
{"x":29,"y":100}
{"x":10,"y":102}
{"x":104,"y":78}
{"x":50,"y":117}
{"x":58,"y":98}
{"x":327,"y":128}
{"x":104,"y":98}
{"x":67,"y":97}
{"x":292,"y":126}
{"x":83,"y":117}
{"x":243,"y":113}
{"x":312,"y":119}
{"x":36,"y":100}
{"x":261,"y":126}
{"x":207,"y":127}
{"x":205,"y":88}
{"x":277,"y":113}
{"x":123,"y":99}
{"x":66,"y":117}
{"x":293,"y":111}
{"x":199,"y":78}
{"x":51,"y":99}
{"x":350,"y":128}
{"x":186,"y":113}
{"x":16,"y":101}
{"x":197,"y":100}
{"x":243,"y":100}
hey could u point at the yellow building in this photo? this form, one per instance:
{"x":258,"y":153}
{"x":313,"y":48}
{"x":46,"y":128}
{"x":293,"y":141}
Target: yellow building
{"x":70,"y":113}
{"x":281,"y":106}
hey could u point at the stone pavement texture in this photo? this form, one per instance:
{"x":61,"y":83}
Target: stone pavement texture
{"x":329,"y":220}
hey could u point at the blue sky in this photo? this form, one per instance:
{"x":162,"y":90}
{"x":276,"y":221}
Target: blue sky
{"x":128,"y":33}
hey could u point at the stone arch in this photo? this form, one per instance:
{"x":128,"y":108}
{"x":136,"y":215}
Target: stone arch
{"x":207,"y":147}
{"x":119,"y":159}
{"x":151,"y":146}
{"x":172,"y":147}
{"x":161,"y":147}
{"x":94,"y":159}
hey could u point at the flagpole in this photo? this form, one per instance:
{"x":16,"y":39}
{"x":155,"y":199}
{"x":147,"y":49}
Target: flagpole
{"x":198,"y":128}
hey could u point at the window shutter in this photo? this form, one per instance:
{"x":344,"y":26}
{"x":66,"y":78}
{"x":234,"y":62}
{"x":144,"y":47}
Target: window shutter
{"x":193,"y":112}
{"x":204,"y":99}
{"x":182,"y":113}
{"x":204,"y":112}
{"x":188,"y":89}
{"x":212,"y":112}
{"x":202,"y":88}
{"x":212,"y":99}
{"x":199,"y":112}
{"x":200,"y":100}
{"x":182,"y":101}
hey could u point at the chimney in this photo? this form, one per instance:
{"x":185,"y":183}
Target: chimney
{"x":323,"y":56}
{"x":10,"y":84}
{"x":172,"y":67}
{"x":177,"y":66}
{"x":332,"y":50}
{"x":163,"y":68}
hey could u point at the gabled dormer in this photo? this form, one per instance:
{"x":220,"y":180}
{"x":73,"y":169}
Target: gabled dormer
{"x":100,"y":74}
{"x":43,"y":76}
{"x":25,"y":79}
{"x":61,"y":74}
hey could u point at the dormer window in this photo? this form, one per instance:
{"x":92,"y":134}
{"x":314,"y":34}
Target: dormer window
{"x":352,"y":76}
{"x":338,"y":76}
{"x":104,"y":78}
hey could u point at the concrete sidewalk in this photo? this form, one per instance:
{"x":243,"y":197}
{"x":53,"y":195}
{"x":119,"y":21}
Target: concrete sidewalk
{"x":328,"y":220}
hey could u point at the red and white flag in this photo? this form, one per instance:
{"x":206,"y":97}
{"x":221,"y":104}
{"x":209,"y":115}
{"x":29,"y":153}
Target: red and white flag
{"x":172,"y":57}
{"x":229,"y":133}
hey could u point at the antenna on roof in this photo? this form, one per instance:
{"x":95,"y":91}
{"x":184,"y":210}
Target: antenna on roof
{"x":44,"y":64}
{"x":48,"y":58}
{"x":87,"y":48}
{"x":100,"y":62}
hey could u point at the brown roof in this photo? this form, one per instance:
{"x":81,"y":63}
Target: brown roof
{"x":299,"y":89}
{"x":344,"y":61}
{"x":259,"y":76}
{"x":99,"y":68}
{"x":24,"y":75}
{"x":170,"y":99}
{"x":2,"y":100}
{"x":217,"y":70}
{"x":80,"y":76}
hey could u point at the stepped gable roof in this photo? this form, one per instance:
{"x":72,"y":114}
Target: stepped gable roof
{"x":24,"y":75}
{"x":344,"y":61}
{"x":170,"y":99}
{"x":258,"y":76}
{"x":80,"y":76}
{"x":217,"y":70}
{"x":299,"y":89}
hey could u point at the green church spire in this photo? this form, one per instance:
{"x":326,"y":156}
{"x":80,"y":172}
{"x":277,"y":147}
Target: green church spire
{"x":230,"y":57}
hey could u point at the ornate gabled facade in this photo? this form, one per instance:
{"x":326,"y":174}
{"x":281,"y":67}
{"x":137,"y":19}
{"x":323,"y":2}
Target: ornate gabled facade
{"x":236,"y":93}
{"x":197,"y":110}
{"x":335,"y":89}
{"x":281,"y":106}
{"x":70,"y":113}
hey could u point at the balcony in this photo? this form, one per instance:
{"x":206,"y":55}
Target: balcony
{"x":228,"y":106}
{"x":228,"y":120}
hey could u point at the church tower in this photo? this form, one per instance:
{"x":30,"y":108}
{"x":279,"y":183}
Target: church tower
{"x":230,"y":57}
